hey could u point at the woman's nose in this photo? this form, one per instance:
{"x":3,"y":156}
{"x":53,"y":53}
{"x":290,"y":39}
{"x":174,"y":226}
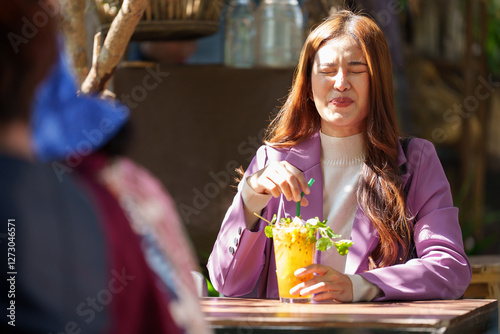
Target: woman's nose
{"x":341,"y":82}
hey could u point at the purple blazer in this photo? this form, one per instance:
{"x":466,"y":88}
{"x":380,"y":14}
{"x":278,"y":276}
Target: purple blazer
{"x":242,"y":261}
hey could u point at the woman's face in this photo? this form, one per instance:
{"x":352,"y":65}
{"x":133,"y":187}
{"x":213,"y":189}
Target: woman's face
{"x":341,"y":87}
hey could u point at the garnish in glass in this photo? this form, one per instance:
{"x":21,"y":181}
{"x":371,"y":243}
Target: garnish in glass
{"x":314,"y":226}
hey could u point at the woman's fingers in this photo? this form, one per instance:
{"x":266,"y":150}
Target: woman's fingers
{"x":283,"y":179}
{"x":318,"y":287}
{"x":327,"y":284}
{"x":340,"y":293}
{"x":299,"y":178}
{"x":280,"y":178}
{"x":314,"y":268}
{"x":269,"y":187}
{"x":296,"y":181}
{"x":339,"y":296}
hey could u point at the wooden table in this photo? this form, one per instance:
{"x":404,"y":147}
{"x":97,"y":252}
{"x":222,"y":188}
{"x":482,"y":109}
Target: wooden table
{"x":485,"y":277}
{"x":241,"y":315}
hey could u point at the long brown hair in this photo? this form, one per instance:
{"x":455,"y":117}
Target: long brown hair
{"x":379,"y":193}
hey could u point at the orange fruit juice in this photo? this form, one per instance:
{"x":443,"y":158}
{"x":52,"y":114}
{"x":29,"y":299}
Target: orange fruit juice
{"x":292,"y":252}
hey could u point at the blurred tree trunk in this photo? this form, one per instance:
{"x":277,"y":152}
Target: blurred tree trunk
{"x":114,"y":46}
{"x":106,"y":57}
{"x":75,"y":35}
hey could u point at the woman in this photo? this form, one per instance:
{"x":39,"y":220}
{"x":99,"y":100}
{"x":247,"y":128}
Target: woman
{"x":339,"y":127}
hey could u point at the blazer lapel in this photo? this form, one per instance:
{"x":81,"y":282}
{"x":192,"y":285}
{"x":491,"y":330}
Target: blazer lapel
{"x":364,"y":235}
{"x":306,"y":156}
{"x":315,"y":198}
{"x":365,"y":238}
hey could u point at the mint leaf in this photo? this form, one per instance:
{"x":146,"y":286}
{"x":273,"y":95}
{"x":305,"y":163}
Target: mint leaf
{"x":324,"y":244}
{"x":268,"y":230}
{"x":321,"y":224}
{"x":343,"y":246}
{"x":332,"y":235}
{"x":323,"y":232}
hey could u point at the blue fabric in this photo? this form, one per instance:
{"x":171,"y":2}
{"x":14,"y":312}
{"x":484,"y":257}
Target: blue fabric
{"x":65,"y":124}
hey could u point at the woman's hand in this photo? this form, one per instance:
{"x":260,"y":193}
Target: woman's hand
{"x":280,"y":178}
{"x":327,"y":284}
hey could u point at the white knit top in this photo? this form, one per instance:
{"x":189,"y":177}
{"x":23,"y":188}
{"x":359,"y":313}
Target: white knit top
{"x":341,"y":160}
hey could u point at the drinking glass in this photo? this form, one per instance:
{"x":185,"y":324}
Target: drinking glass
{"x":292,"y":251}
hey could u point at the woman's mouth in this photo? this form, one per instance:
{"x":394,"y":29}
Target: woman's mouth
{"x":342,"y":102}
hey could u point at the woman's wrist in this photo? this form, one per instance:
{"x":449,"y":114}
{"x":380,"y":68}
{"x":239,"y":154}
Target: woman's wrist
{"x":253,"y":202}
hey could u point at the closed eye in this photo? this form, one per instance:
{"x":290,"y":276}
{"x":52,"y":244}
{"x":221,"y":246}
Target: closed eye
{"x":335,"y":72}
{"x":357,"y":67}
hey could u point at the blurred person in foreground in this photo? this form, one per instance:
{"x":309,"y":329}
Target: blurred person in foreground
{"x":88,"y":138}
{"x":50,"y":234}
{"x":126,"y":191}
{"x":390,"y":196}
{"x":71,"y":271}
